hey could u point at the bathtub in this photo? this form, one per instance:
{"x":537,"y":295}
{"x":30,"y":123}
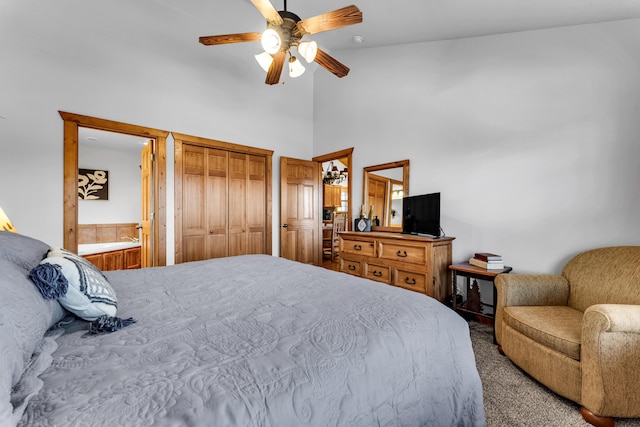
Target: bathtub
{"x":97,"y":248}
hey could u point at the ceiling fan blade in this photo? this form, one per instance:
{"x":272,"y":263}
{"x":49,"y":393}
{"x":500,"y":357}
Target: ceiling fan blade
{"x":338,"y":18}
{"x":275,"y":69}
{"x":230,"y":38}
{"x":268,"y":11}
{"x":331,"y":64}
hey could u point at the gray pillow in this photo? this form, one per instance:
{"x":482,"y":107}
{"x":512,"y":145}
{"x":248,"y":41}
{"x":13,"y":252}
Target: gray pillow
{"x":24,"y":318}
{"x":21,"y":250}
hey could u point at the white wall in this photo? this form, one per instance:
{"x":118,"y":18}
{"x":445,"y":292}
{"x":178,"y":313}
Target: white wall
{"x":115,"y":61}
{"x":531,"y":137}
{"x":125,"y":187}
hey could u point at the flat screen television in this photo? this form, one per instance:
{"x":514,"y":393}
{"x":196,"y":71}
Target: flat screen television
{"x":421,"y":215}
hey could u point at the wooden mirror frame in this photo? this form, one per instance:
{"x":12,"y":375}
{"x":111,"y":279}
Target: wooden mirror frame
{"x":70,"y":186}
{"x":404,"y":164}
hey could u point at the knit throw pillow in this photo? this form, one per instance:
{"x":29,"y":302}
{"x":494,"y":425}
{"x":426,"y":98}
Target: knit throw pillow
{"x":80,"y":287}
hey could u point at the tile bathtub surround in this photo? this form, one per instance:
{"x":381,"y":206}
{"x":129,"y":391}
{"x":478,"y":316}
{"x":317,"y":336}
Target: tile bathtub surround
{"x":105,"y":233}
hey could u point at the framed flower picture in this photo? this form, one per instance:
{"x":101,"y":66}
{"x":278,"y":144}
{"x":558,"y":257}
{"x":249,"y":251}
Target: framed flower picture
{"x":93,"y":184}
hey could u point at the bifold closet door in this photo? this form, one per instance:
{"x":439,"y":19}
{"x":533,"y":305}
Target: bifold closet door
{"x":204,"y":204}
{"x":247,"y":215}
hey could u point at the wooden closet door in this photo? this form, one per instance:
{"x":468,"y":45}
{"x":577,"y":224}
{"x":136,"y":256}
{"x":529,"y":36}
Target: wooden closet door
{"x":216,"y":203}
{"x":256,"y":202}
{"x":223,"y":199}
{"x":237,"y":204}
{"x":204,"y":203}
{"x":193,"y":203}
{"x":247,"y":213}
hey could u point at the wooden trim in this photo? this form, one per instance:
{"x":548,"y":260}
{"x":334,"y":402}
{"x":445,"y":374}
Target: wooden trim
{"x":213,"y":143}
{"x":70,"y":186}
{"x":177,"y":198}
{"x":70,"y":191}
{"x":179,"y":141}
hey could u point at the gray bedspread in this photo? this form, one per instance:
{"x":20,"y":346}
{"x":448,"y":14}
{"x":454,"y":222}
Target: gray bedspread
{"x":262,"y":341}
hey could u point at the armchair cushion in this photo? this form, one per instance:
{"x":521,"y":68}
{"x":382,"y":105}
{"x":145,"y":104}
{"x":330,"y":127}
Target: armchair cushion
{"x":555,"y":327}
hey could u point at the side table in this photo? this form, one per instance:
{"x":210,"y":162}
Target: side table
{"x":469,"y":271}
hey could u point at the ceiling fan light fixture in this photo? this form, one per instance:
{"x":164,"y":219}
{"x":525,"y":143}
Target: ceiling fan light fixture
{"x":296,"y":69}
{"x":308,"y":50}
{"x":271,"y":41}
{"x":265,"y":60}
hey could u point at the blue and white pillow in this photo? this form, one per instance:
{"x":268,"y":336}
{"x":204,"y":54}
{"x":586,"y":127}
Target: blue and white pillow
{"x":80,"y":287}
{"x":89,"y":294}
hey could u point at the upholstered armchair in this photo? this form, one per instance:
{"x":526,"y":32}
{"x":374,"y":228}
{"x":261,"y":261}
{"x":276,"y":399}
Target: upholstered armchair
{"x":578,"y":333}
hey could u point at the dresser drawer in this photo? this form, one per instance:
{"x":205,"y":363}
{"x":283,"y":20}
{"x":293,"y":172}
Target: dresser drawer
{"x":351,"y":267}
{"x":379,"y":273}
{"x":410,"y":280}
{"x":358,"y":247}
{"x":403,"y":252}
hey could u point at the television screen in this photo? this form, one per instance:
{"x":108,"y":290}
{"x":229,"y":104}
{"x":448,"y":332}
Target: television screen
{"x":421,"y":215}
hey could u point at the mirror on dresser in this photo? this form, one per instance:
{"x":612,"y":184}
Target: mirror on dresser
{"x":384,"y":186}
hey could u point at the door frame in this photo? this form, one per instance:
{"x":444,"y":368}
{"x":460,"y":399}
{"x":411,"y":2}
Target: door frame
{"x":348,"y":153}
{"x":70,"y":184}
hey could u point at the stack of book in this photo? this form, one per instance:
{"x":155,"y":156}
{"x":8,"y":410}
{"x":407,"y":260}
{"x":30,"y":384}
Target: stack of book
{"x":487,"y":260}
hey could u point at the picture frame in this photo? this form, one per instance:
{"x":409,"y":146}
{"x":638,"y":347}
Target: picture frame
{"x":93,"y":184}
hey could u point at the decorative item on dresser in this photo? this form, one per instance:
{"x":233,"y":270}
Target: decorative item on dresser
{"x":412,"y":262}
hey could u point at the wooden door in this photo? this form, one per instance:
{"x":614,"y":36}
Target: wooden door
{"x":300,"y":211}
{"x":204,"y":204}
{"x":378,"y":189}
{"x":247,"y":195}
{"x":216,"y":197}
{"x":222,"y":199}
{"x":193,"y":204}
{"x":146,"y":235}
{"x":256,"y":201}
{"x":237,"y":204}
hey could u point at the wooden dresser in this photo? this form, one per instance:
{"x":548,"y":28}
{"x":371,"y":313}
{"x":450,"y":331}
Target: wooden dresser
{"x":417,"y":263}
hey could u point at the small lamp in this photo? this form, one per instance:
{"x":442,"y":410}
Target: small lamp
{"x":5,"y":223}
{"x":308,"y":50}
{"x":265,"y":60}
{"x":271,"y":41}
{"x":296,"y":69}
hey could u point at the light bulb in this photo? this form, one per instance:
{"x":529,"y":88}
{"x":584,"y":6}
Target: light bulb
{"x":270,"y":41}
{"x":308,"y":50}
{"x":296,"y":69}
{"x":265,"y":60}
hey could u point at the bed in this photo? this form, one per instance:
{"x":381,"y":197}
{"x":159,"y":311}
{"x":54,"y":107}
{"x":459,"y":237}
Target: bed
{"x":252,"y":340}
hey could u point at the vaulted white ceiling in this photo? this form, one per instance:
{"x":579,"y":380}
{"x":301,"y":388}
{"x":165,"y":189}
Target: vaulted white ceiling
{"x":408,"y":21}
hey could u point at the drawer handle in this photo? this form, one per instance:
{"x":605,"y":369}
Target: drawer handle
{"x":377,"y":273}
{"x":401,"y":254}
{"x":410,"y":282}
{"x":357,"y":247}
{"x":352,"y":267}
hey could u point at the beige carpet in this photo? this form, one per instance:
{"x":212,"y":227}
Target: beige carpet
{"x":511,"y":398}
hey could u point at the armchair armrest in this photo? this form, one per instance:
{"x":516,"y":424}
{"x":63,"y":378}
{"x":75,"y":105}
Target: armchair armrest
{"x":528,"y":289}
{"x":609,"y":357}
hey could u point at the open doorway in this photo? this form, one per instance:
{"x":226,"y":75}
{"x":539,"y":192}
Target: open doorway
{"x":72,"y":125}
{"x":337,"y":201}
{"x":121,"y":217}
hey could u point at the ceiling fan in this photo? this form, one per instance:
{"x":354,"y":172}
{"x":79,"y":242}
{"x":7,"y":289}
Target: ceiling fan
{"x":285,"y":30}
